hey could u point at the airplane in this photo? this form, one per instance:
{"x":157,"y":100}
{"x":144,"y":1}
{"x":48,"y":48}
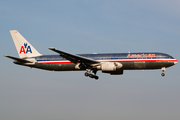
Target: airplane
{"x":111,"y":63}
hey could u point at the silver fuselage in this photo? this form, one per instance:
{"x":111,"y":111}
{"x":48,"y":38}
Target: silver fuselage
{"x":130,"y":61}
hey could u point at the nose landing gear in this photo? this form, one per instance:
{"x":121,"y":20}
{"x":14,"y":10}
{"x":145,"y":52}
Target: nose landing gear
{"x":88,"y":73}
{"x":163,"y":74}
{"x":163,"y":70}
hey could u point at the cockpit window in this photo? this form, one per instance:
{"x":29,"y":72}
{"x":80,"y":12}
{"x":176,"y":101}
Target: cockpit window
{"x":169,"y":57}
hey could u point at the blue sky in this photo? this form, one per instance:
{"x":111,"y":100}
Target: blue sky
{"x":100,"y":26}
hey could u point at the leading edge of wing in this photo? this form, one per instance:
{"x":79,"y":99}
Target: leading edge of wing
{"x":75,"y":58}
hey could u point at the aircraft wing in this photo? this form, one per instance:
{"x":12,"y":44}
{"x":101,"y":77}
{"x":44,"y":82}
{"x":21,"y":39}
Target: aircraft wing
{"x":18,"y":59}
{"x":75,"y":58}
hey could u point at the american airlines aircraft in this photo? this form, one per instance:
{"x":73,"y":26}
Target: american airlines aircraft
{"x":112,"y":63}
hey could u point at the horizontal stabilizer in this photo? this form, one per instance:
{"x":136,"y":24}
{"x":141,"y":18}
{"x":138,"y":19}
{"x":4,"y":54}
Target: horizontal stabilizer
{"x":18,"y":59}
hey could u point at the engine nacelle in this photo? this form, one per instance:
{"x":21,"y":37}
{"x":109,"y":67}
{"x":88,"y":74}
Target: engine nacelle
{"x":118,"y":72}
{"x":118,"y":65}
{"x":110,"y":66}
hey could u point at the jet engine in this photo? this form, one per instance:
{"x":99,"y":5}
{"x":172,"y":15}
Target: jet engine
{"x":118,"y":72}
{"x":109,"y":66}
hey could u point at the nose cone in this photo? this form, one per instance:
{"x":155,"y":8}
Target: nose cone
{"x":175,"y":62}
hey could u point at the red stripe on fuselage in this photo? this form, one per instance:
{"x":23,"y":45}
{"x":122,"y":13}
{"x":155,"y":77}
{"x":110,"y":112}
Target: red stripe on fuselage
{"x":128,"y":60}
{"x":57,"y":62}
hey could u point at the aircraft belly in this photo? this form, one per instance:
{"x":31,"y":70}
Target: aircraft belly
{"x":65,"y":67}
{"x":128,"y":65}
{"x":145,"y":65}
{"x":56,"y":67}
{"x":158,"y":65}
{"x":154,"y":65}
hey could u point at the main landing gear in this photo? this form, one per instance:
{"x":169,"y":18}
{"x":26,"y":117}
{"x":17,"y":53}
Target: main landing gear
{"x":88,"y":73}
{"x":163,"y":70}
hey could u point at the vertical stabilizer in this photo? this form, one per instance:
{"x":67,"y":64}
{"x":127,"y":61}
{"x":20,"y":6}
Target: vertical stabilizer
{"x":24,"y":48}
